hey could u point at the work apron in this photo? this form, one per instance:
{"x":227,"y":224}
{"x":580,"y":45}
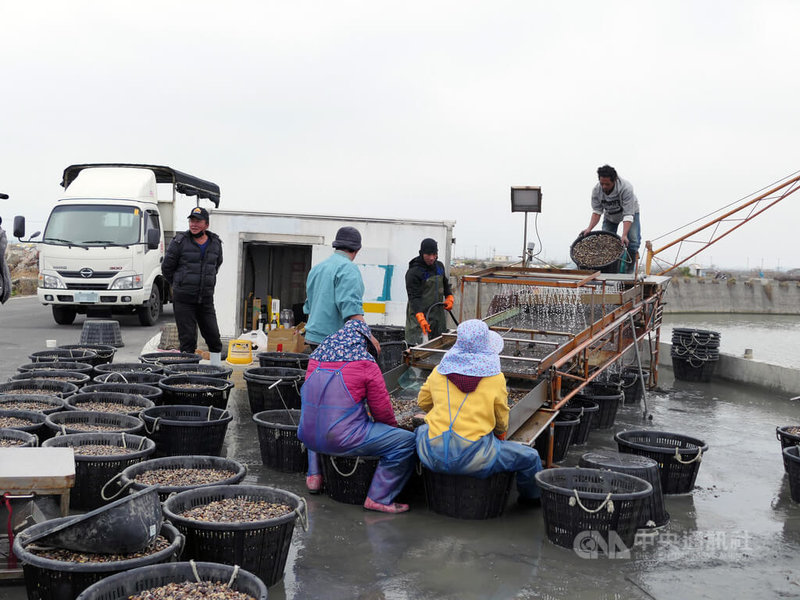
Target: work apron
{"x":331,"y":422}
{"x":432,"y":292}
{"x":451,"y":453}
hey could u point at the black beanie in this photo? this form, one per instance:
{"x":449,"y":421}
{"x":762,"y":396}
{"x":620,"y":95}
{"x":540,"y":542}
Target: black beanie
{"x":428,"y":246}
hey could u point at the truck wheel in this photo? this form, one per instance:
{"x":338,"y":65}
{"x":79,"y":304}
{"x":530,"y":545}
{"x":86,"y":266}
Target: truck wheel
{"x":150,"y":312}
{"x":64,"y":315}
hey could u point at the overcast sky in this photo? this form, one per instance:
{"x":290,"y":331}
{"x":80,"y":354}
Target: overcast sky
{"x":426,"y":110}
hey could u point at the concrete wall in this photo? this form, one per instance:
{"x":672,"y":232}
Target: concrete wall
{"x":761,"y":296}
{"x":781,"y":380}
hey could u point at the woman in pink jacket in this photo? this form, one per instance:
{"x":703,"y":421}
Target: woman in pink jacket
{"x":346,"y":411}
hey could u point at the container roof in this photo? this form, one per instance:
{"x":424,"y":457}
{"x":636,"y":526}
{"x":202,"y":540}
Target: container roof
{"x":184,"y":183}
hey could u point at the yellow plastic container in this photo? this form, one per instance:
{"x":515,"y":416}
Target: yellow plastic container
{"x":240,"y":352}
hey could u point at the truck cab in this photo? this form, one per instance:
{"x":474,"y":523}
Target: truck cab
{"x":104,"y":241}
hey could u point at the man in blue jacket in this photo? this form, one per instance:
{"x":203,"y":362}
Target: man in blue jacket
{"x":190,"y":266}
{"x":335,"y":290}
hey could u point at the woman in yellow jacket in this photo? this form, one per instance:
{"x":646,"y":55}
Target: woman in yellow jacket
{"x":466,"y":401}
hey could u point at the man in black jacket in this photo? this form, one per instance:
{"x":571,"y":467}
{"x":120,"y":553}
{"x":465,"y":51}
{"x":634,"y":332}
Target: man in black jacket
{"x":191,"y":265}
{"x":426,"y":285}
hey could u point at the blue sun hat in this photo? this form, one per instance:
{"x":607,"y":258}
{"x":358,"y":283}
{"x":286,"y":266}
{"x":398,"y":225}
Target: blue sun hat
{"x":476,"y":351}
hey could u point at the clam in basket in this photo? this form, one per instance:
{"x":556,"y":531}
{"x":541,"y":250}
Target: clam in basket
{"x":579,"y":505}
{"x":30,"y":421}
{"x":173,"y":474}
{"x":111,"y":402}
{"x":43,"y":403}
{"x":98,"y":457}
{"x":151,"y":578}
{"x":14,"y":438}
{"x":244,"y":525}
{"x":82,"y":421}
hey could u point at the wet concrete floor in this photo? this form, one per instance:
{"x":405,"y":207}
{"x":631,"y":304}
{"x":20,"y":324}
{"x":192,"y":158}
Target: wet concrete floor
{"x":736,"y":535}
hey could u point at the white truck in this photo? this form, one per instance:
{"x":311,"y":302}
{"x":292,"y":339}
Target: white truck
{"x":105,"y":239}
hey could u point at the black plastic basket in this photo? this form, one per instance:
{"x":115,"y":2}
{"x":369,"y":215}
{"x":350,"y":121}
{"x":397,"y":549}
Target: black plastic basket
{"x":92,"y":472}
{"x":151,"y":392}
{"x":694,"y":369}
{"x":347,"y":478}
{"x":580,"y":504}
{"x":124,"y":585}
{"x":678,"y":456}
{"x":654,"y":513}
{"x":631,"y":385}
{"x":79,"y":421}
{"x":283,"y":360}
{"x":277,"y":439}
{"x":129,"y":366}
{"x":611,"y":266}
{"x":43,"y":403}
{"x":791,"y":457}
{"x":261,"y":547}
{"x":179,"y":429}
{"x":391,"y":355}
{"x":36,"y":420}
{"x":127,"y":477}
{"x":134,"y":403}
{"x":75,"y":378}
{"x":693,"y":338}
{"x":388,"y":333}
{"x":46,"y":387}
{"x":466,"y":497}
{"x":170,"y":358}
{"x":586,"y":410}
{"x":564,"y":427}
{"x":203,"y":370}
{"x":48,"y":579}
{"x":786,"y":436}
{"x":105,"y":353}
{"x":273,"y":388}
{"x":211,"y":391}
{"x":608,"y":402}
{"x":75,"y":367}
{"x":17,"y":438}
{"x":144,"y":377}
{"x":57,"y":354}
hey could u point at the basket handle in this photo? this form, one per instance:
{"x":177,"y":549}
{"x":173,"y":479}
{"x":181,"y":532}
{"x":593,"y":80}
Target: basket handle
{"x":124,"y":443}
{"x":698,"y":457}
{"x":224,"y":412}
{"x":154,"y":426}
{"x":608,"y":503}
{"x":121,"y":489}
{"x":233,"y":575}
{"x":335,"y":468}
{"x":302,"y":515}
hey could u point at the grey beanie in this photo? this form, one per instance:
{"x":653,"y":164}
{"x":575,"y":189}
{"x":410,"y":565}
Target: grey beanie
{"x":348,"y":238}
{"x":429,"y":246}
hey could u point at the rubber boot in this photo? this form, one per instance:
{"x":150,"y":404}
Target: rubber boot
{"x":215,"y":358}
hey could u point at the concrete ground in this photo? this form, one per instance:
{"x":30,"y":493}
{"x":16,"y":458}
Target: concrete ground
{"x":736,"y":535}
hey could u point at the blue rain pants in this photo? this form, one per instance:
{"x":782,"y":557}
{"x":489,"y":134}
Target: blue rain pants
{"x":331,"y":422}
{"x":454,"y":454}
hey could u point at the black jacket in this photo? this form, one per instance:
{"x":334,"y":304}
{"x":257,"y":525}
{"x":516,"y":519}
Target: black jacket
{"x":192,"y":275}
{"x":416,"y":276}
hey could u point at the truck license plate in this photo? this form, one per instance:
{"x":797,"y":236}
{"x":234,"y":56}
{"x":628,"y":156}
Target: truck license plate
{"x":86,"y":297}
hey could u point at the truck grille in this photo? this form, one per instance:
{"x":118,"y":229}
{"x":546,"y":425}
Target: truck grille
{"x":87,"y":286}
{"x":94,"y":275}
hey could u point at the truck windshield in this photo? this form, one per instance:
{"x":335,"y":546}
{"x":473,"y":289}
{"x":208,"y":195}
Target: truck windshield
{"x":95,"y":225}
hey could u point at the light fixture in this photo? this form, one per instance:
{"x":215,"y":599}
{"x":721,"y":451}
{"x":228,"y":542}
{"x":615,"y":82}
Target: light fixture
{"x":526,"y":198}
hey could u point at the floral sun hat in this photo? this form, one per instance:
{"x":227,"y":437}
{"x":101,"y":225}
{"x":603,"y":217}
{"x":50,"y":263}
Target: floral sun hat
{"x":476,"y":351}
{"x":349,"y":344}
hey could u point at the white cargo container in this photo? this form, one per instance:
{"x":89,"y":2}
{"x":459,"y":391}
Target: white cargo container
{"x":270,"y":255}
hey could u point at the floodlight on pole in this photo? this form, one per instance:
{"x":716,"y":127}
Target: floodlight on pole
{"x":526,"y":199}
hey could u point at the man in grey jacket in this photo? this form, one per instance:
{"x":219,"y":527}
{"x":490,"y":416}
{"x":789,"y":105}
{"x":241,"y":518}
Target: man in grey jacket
{"x":614,"y":200}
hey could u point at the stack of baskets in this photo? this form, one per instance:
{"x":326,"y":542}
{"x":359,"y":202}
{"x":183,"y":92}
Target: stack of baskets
{"x":393,"y":343}
{"x":283,"y":360}
{"x":586,"y":411}
{"x":273,"y":388}
{"x":277,"y":439}
{"x":695,"y":353}
{"x":180,"y":429}
{"x":608,"y":396}
{"x":195,"y":390}
{"x":564,"y":427}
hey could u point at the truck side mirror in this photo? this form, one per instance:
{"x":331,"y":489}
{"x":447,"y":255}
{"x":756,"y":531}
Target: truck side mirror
{"x":19,"y":227}
{"x":153,"y":239}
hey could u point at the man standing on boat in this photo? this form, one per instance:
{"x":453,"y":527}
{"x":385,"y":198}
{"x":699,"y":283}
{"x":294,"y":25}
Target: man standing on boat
{"x":614,"y":200}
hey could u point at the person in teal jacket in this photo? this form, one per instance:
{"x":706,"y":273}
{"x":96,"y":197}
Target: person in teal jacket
{"x":335,"y":290}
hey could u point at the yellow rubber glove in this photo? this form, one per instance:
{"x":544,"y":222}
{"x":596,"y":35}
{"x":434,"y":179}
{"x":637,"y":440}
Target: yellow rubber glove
{"x":448,"y":302}
{"x":423,"y":323}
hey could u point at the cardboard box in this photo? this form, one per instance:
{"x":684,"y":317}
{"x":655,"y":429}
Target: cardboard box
{"x":290,"y":339}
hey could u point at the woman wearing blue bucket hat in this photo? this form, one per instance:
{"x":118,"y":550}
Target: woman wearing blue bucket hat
{"x":466,"y":401}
